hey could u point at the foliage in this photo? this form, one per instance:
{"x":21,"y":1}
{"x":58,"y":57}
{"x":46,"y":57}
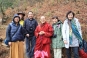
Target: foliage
{"x":4,"y":4}
{"x":48,"y":13}
{"x":32,"y":2}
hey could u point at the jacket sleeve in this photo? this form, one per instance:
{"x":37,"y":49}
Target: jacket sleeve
{"x":50,"y":31}
{"x":36,"y":24}
{"x":8,"y":36}
{"x":24,"y":27}
{"x":64,"y":31}
{"x":23,"y":31}
{"x":36,"y":32}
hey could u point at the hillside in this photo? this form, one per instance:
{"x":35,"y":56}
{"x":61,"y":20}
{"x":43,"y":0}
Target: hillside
{"x":52,"y":8}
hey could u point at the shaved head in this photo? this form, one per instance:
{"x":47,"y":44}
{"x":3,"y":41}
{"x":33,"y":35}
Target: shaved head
{"x":42,"y":19}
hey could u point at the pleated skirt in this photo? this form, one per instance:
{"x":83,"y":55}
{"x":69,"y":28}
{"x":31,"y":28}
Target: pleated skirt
{"x":17,"y":50}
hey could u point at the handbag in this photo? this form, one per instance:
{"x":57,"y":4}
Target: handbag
{"x":82,"y":52}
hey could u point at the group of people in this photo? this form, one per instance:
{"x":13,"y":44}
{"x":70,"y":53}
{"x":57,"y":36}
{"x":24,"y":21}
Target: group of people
{"x":39,"y":38}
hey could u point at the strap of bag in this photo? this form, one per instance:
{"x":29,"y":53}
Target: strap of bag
{"x":15,"y":31}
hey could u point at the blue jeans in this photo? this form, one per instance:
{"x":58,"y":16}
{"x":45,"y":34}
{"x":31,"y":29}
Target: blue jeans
{"x":30,"y":44}
{"x":74,"y":50}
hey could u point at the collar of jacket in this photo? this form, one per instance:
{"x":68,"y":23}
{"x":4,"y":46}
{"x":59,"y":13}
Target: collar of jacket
{"x":13,"y":23}
{"x":43,"y":24}
{"x":71,"y":20}
{"x":59,"y":22}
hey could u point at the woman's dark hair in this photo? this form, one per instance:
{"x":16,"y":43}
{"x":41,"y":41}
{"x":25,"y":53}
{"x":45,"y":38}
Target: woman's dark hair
{"x":69,"y":13}
{"x":55,"y":17}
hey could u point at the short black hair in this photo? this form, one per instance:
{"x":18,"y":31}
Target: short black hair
{"x":69,"y":13}
{"x":55,"y":17}
{"x":30,"y":11}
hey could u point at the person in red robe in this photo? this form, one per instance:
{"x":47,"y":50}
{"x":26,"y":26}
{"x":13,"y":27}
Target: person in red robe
{"x":43,"y":34}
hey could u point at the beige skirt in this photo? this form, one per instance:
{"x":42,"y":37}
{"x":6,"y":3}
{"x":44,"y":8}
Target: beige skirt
{"x":17,"y":50}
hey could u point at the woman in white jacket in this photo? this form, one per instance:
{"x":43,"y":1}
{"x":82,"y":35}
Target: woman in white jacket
{"x":72,"y":35}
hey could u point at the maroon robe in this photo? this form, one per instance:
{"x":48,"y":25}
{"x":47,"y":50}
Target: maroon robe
{"x":43,"y":41}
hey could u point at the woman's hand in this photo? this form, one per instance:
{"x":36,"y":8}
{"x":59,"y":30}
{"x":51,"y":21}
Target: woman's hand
{"x":9,"y":43}
{"x":65,"y":42}
{"x":27,"y":35}
{"x":41,"y":32}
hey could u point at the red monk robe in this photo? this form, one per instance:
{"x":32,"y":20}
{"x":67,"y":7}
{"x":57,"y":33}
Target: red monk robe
{"x":43,"y":41}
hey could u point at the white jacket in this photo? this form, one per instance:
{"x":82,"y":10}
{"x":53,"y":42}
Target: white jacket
{"x":65,"y":30}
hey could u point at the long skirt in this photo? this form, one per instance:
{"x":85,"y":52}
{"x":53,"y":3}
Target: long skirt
{"x":45,"y":47}
{"x":17,"y":50}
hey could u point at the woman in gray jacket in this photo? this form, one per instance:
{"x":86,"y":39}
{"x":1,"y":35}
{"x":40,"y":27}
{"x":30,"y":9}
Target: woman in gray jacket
{"x":72,"y":35}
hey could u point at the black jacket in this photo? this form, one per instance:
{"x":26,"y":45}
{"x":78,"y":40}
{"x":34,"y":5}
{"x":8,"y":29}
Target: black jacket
{"x":30,"y":26}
